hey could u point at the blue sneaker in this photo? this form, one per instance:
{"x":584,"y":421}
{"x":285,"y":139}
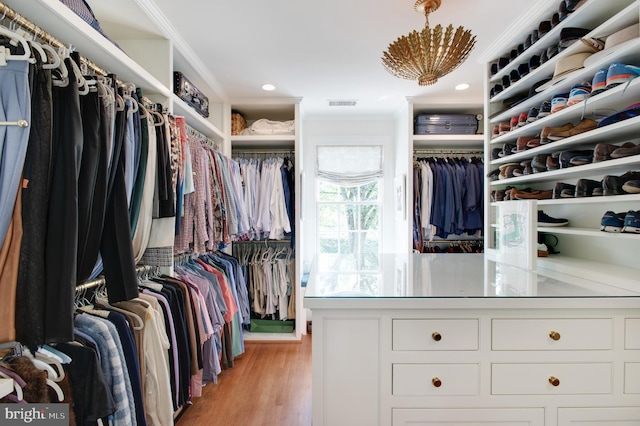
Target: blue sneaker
{"x":612,"y":222}
{"x":559,"y":102}
{"x":579,"y":92}
{"x":545,"y":109}
{"x":621,"y":73}
{"x":599,"y":82}
{"x":632,"y":222}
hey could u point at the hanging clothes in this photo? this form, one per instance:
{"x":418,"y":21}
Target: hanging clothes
{"x":447,"y":198}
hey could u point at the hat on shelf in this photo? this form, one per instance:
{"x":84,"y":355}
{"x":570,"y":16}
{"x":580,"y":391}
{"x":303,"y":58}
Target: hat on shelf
{"x":565,"y":68}
{"x":615,"y":42}
{"x":570,"y":35}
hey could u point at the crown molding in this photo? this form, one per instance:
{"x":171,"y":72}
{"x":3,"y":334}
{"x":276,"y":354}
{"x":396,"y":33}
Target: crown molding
{"x":165,"y":25}
{"x":529,"y":20}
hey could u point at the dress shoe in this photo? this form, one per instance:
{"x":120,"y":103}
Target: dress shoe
{"x":533,"y":195}
{"x":495,"y":153}
{"x":560,"y":187}
{"x":582,"y":159}
{"x":503,"y":128}
{"x":612,"y":185}
{"x":552,"y":163}
{"x":585,"y":187}
{"x":603,"y":151}
{"x":584,"y":126}
{"x":497,"y":195}
{"x":567,"y":156}
{"x":506,"y":170}
{"x":546,"y":131}
{"x":533,"y":143}
{"x":493,"y":174}
{"x":526,"y":167}
{"x":521,"y":143}
{"x":507,"y":149}
{"x":539,"y":163}
{"x":632,"y":186}
{"x":626,"y":151}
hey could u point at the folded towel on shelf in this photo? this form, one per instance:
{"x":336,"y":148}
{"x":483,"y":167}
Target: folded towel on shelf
{"x":263,"y":126}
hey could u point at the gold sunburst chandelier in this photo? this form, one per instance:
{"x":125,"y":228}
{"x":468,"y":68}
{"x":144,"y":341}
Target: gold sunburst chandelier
{"x":431,"y":53}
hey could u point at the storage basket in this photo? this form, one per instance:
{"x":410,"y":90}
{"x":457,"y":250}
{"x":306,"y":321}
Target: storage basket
{"x":238,"y":123}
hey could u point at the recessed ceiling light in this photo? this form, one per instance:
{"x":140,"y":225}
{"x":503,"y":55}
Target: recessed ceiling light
{"x":268,"y":87}
{"x":463,"y":86}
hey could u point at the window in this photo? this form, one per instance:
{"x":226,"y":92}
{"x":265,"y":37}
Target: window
{"x":349,"y":216}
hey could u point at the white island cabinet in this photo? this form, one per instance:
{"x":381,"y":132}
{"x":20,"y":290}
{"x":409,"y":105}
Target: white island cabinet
{"x":457,"y":339}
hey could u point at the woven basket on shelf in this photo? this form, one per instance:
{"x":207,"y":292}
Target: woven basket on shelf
{"x":238,"y":123}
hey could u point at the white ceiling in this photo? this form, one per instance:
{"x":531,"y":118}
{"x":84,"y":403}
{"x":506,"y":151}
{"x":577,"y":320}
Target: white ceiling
{"x":317,"y":51}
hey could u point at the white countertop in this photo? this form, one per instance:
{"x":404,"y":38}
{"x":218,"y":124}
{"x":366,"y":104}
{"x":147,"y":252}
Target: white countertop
{"x":442,"y":280}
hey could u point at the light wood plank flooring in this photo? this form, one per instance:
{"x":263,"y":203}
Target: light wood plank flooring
{"x":270,"y":385}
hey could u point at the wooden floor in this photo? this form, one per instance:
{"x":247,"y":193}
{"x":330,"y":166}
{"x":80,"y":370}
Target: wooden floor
{"x":270,"y":385}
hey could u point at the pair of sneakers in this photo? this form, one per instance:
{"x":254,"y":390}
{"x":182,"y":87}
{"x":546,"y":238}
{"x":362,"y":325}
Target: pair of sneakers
{"x":612,"y":76}
{"x":621,"y":222}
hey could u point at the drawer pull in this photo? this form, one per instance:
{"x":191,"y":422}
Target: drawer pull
{"x":554,"y":381}
{"x":436,"y":336}
{"x":554,"y":335}
{"x":436,"y":382}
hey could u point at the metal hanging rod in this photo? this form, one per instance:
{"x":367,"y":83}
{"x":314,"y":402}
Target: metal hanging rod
{"x":102,"y":280}
{"x":19,"y":123}
{"x":447,"y":152}
{"x":200,"y":135}
{"x":274,"y":151}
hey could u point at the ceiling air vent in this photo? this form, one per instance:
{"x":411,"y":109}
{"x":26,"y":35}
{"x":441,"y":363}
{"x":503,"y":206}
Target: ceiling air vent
{"x":343,"y":102}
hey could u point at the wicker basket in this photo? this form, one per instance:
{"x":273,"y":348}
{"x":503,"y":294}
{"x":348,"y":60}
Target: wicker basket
{"x":238,"y":123}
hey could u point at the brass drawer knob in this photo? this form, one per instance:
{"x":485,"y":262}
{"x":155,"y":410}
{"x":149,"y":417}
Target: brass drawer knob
{"x":554,"y":381}
{"x":436,"y":382}
{"x":436,"y":336}
{"x":554,"y":335}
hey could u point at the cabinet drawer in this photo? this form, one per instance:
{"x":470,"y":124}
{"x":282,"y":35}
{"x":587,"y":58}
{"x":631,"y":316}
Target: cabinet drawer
{"x":435,"y":379}
{"x":435,"y":335}
{"x":632,"y":333}
{"x":468,"y":416}
{"x":550,"y":379}
{"x":610,"y":416}
{"x":632,"y":377}
{"x":551,"y":334}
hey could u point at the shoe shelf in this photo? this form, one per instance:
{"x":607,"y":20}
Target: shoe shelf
{"x":624,"y":198}
{"x":592,"y":200}
{"x":588,"y":232}
{"x":604,"y":103}
{"x":622,"y":131}
{"x":587,"y":252}
{"x":591,"y":14}
{"x":623,"y":277}
{"x":609,"y":167}
{"x":590,"y":18}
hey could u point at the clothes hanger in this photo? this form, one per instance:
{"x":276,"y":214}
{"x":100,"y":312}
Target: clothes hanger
{"x":101,"y":300}
{"x":15,"y":39}
{"x":18,"y":382}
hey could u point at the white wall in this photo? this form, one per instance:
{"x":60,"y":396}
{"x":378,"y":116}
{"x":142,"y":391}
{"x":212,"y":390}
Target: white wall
{"x":347,"y":131}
